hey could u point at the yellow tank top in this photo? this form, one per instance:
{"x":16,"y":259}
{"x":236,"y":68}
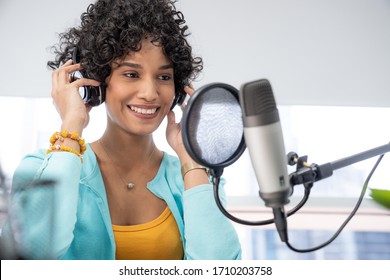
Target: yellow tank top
{"x":156,"y":240}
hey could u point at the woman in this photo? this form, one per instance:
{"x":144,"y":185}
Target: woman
{"x":120,"y":197}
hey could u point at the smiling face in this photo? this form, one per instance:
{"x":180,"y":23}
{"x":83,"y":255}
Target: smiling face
{"x":140,"y":90}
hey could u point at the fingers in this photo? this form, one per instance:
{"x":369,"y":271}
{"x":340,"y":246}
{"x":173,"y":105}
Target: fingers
{"x":85,"y":82}
{"x":61,"y":76}
{"x":189,"y":89}
{"x":62,"y":73}
{"x":57,"y":73}
{"x":66,"y":95}
{"x":171,"y":118}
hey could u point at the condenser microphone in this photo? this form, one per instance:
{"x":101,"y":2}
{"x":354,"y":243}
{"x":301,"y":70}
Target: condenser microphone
{"x":264,"y":140}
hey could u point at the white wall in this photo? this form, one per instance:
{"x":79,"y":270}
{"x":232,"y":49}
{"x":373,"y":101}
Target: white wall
{"x":323,"y":52}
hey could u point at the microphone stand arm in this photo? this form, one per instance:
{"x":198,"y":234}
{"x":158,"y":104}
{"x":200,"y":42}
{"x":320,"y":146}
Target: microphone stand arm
{"x":310,"y":173}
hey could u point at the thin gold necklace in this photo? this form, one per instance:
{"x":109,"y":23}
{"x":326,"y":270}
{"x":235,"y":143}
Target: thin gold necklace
{"x":129,"y":185}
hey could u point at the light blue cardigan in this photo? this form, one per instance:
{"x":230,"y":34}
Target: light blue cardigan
{"x":81,"y":226}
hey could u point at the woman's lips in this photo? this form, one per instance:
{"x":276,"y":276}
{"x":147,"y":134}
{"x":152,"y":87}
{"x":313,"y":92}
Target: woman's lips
{"x":144,"y":111}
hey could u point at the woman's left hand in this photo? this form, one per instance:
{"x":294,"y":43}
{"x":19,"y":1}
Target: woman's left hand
{"x":173,"y":132}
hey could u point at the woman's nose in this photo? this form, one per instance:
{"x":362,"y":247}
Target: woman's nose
{"x":148,"y":90}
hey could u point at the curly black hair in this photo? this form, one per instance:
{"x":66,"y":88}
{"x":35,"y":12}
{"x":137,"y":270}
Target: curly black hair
{"x":111,"y":29}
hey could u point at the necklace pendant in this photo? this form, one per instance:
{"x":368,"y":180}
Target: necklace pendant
{"x":130,"y":186}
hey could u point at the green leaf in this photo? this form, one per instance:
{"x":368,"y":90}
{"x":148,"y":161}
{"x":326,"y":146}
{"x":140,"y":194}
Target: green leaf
{"x":382,"y":197}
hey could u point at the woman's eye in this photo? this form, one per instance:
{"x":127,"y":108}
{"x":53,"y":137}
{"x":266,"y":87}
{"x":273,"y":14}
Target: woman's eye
{"x":132,"y":75}
{"x":165,"y":77}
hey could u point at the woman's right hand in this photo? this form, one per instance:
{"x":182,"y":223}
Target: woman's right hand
{"x":66,"y":98}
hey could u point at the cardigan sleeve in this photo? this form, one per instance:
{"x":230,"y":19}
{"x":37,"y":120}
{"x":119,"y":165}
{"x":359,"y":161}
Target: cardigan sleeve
{"x":42,"y":216}
{"x":208,"y":233}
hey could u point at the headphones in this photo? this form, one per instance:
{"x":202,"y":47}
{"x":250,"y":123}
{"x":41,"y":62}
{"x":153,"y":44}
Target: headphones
{"x":179,"y":98}
{"x":91,"y":95}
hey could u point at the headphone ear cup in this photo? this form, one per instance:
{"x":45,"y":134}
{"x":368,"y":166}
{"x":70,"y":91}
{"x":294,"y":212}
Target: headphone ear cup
{"x":95,"y":95}
{"x":178,"y":99}
{"x":103,"y":90}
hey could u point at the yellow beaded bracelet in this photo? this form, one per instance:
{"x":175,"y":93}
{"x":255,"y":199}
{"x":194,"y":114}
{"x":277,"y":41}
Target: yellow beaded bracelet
{"x":72,"y":135}
{"x":65,"y":149}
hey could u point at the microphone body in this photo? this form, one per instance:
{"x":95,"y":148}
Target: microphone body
{"x":264,"y":139}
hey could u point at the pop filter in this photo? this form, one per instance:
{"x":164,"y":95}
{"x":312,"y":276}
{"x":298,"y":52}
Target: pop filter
{"x":212,"y":127}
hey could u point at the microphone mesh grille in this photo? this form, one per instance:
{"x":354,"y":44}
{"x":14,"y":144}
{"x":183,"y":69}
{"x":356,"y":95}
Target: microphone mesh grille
{"x":216,"y":126}
{"x":258,"y":98}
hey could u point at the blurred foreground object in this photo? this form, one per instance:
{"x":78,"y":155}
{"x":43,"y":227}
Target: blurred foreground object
{"x":382,"y":197}
{"x":15,"y":227}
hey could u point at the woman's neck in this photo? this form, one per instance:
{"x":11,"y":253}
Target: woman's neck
{"x":127,"y":149}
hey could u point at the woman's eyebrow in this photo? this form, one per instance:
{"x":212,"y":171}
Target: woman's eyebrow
{"x":129,"y":64}
{"x":139,"y":66}
{"x":167,"y":66}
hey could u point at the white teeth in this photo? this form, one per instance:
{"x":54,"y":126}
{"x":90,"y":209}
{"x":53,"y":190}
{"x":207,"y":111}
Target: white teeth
{"x":143,"y":111}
